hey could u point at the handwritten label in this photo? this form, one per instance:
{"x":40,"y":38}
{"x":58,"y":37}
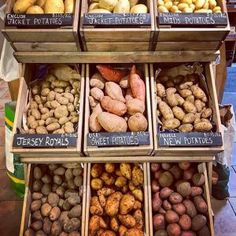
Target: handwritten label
{"x":193,"y":19}
{"x":37,"y":20}
{"x":45,"y":140}
{"x":118,"y":139}
{"x":109,"y":20}
{"x":189,"y":139}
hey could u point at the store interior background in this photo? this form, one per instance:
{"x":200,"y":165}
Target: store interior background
{"x":11,"y":204}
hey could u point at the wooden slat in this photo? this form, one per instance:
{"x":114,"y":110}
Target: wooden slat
{"x":114,"y":159}
{"x":191,"y":151}
{"x":46,"y":47}
{"x":121,"y":150}
{"x":116,"y":57}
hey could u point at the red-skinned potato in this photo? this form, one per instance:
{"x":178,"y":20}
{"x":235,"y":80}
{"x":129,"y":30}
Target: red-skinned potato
{"x":204,"y":231}
{"x":198,"y":179}
{"x":166,"y":179}
{"x":179,"y":208}
{"x":198,"y":222}
{"x":166,"y":166}
{"x":176,"y":172}
{"x":155,"y":167}
{"x":188,"y":174}
{"x":166,"y":205}
{"x":158,"y":173}
{"x":184,"y":189}
{"x":195,"y":191}
{"x":185,"y":222}
{"x":184,"y":165}
{"x":190,"y":233}
{"x":155,"y":186}
{"x":161,"y":232}
{"x":175,"y":198}
{"x":158,"y":222}
{"x":171,"y":216}
{"x":173,"y":229}
{"x":162,"y":211}
{"x":165,"y":192}
{"x":156,"y":202}
{"x":200,"y":204}
{"x":190,"y":208}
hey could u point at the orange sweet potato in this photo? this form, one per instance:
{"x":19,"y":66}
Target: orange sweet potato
{"x":111,"y":74}
{"x":137,"y":85}
{"x":113,"y":106}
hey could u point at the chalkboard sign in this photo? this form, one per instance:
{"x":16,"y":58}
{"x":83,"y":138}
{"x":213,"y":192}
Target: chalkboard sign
{"x":192,"y":19}
{"x":111,"y":20}
{"x":45,"y":140}
{"x":118,"y":139}
{"x":38,"y":20}
{"x":196,"y":139}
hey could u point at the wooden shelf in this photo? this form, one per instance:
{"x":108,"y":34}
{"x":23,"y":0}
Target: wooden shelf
{"x":116,"y":57}
{"x":139,"y":159}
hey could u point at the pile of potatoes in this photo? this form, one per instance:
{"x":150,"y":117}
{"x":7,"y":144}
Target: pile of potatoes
{"x":56,"y":200}
{"x":182,"y":104}
{"x":54,"y":103}
{"x":117,"y":103}
{"x":117,"y":199}
{"x":188,"y":6}
{"x":177,"y":203}
{"x":44,"y":6}
{"x":117,"y":6}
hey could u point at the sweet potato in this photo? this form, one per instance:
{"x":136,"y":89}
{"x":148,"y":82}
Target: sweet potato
{"x":184,"y":188}
{"x":179,"y":208}
{"x":97,"y":81}
{"x":134,"y":106}
{"x":185,"y":222}
{"x":158,"y":222}
{"x":137,"y":85}
{"x":200,"y":204}
{"x":166,"y":179}
{"x":93,"y":122}
{"x":111,"y":122}
{"x":173,"y":229}
{"x":97,"y":93}
{"x":114,"y":91}
{"x":171,"y":216}
{"x":175,"y":198}
{"x":113,"y":106}
{"x":165,"y":192}
{"x":198,"y":222}
{"x":156,"y":202}
{"x":137,"y":123}
{"x":124,"y":82}
{"x":111,"y":74}
{"x":190,"y":208}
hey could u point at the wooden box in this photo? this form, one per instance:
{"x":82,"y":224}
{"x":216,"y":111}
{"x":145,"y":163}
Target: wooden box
{"x":145,"y":204}
{"x":121,"y":150}
{"x":189,"y":37}
{"x":46,"y":38}
{"x":47,"y":150}
{"x":188,"y":150}
{"x":26,"y":214}
{"x":206,"y":195}
{"x":117,"y":37}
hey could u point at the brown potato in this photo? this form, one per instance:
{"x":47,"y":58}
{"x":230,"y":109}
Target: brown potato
{"x":125,"y":169}
{"x":45,"y":209}
{"x":166,"y":179}
{"x":138,"y":194}
{"x":54,"y":213}
{"x":127,"y":220}
{"x":96,"y":170}
{"x":198,"y":222}
{"x":137,"y":176}
{"x":53,"y":199}
{"x":35,"y":205}
{"x":96,"y":183}
{"x":184,"y":188}
{"x":110,"y":167}
{"x":126,"y":204}
{"x":113,"y":203}
{"x":114,"y":224}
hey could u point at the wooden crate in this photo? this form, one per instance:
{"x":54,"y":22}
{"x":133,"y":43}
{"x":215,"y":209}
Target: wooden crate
{"x":59,"y":39}
{"x":117,"y":38}
{"x":22,"y":101}
{"x":207,"y":196}
{"x":190,"y":38}
{"x":117,"y":150}
{"x":26,"y":214}
{"x":188,"y":150}
{"x":145,"y":206}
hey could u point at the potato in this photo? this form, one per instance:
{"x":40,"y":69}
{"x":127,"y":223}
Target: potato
{"x":171,"y":216}
{"x":176,"y":172}
{"x":198,"y":179}
{"x":189,"y":107}
{"x":45,"y":209}
{"x":139,"y":8}
{"x":56,"y":228}
{"x":158,"y":222}
{"x":165,"y":110}
{"x":54,"y":213}
{"x":137,"y":176}
{"x":99,"y":11}
{"x":96,"y":170}
{"x":188,"y":174}
{"x":93,"y":122}
{"x":184,"y":188}
{"x":57,"y":179}
{"x":188,"y":118}
{"x":158,"y":173}
{"x":184,"y":165}
{"x":61,"y":111}
{"x":179,"y":99}
{"x":189,"y":233}
{"x":162,"y":9}
{"x":47,"y":224}
{"x":173,"y":229}
{"x":166,"y":179}
{"x":155,"y":186}
{"x":97,"y":93}
{"x":54,"y":6}
{"x":156,"y":202}
{"x":166,"y":205}
{"x":165,"y":192}
{"x":171,"y":123}
{"x":135,"y":106}
{"x":190,"y":208}
{"x":125,"y":169}
{"x":107,"y":233}
{"x":108,"y":4}
{"x":21,"y":6}
{"x":175,"y":198}
{"x":111,"y":122}
{"x":161,"y":92}
{"x":110,"y":167}
{"x":161,"y":232}
{"x":120,"y":182}
{"x":200,"y":204}
{"x":114,"y":224}
{"x":37,"y":225}
{"x":123,"y":6}
{"x":127,"y":220}
{"x":206,"y":113}
{"x":113,"y":202}
{"x":204,"y":231}
{"x":107,"y":178}
{"x":186,"y":128}
{"x":191,"y":99}
{"x":155,"y":167}
{"x":126,"y":204}
{"x":35,"y":205}
{"x":96,"y":183}
{"x":97,"y":80}
{"x":203,"y":126}
{"x":69,"y":6}
{"x":137,"y":123}
{"x":34,"y":10}
{"x":195,"y":191}
{"x":198,"y":222}
{"x":178,"y":112}
{"x":179,"y":208}
{"x":37,"y":185}
{"x":53,"y":199}
{"x":185,"y":222}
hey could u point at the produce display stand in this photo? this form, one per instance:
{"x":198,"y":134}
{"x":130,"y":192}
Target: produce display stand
{"x":81,"y":44}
